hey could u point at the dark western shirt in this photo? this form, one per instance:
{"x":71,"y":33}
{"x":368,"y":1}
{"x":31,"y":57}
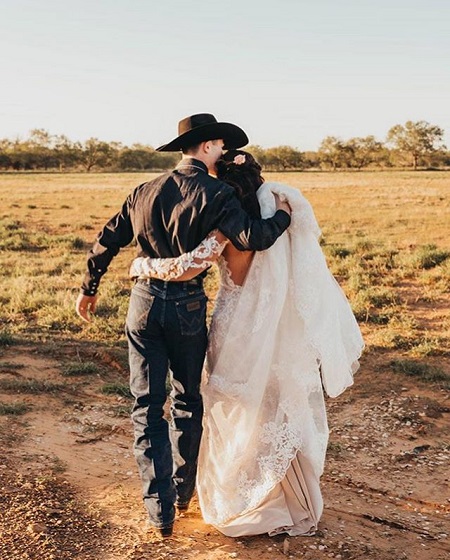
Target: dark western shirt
{"x":173,"y":213}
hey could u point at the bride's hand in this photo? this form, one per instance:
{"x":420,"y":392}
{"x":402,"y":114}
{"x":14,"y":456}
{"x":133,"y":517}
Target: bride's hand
{"x":282,"y":204}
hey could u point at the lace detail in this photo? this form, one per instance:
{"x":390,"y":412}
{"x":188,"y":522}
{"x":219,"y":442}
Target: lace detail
{"x":226,"y":282}
{"x":226,"y":301}
{"x":281,"y":442}
{"x":202,"y":257}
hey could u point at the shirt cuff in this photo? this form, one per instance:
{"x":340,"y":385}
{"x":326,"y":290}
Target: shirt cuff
{"x":87,"y":292}
{"x":89,"y":285}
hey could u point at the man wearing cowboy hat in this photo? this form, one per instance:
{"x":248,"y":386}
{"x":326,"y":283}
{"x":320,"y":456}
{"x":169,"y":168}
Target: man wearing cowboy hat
{"x":166,"y":322}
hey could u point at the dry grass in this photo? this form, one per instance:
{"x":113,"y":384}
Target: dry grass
{"x":28,"y":386}
{"x":13,"y":409}
{"x":385,"y":235}
{"x":74,"y":369}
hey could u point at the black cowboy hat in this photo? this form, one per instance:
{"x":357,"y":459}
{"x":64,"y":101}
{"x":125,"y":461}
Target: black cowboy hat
{"x":202,"y":127}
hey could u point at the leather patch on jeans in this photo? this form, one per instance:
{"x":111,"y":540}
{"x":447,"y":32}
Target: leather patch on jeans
{"x":193,"y":306}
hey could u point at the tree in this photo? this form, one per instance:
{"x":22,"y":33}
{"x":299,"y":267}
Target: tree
{"x":41,"y":145}
{"x":137,"y":157}
{"x":333,"y":152}
{"x":311,"y":159}
{"x":22,"y":155}
{"x":94,"y":152}
{"x":5,"y":153}
{"x":440,"y":158}
{"x":282,"y":158}
{"x":363,"y":151}
{"x":165,"y":160}
{"x":416,"y":139}
{"x":67,"y":153}
{"x":258,"y":153}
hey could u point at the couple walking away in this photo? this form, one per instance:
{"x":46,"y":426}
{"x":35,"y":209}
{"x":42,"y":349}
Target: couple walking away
{"x":281,"y":334}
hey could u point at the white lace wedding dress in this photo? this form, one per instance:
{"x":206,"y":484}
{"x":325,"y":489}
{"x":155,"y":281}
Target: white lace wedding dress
{"x":275,"y":344}
{"x":250,"y":479}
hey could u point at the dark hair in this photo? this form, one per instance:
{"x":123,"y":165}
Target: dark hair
{"x":244,"y":177}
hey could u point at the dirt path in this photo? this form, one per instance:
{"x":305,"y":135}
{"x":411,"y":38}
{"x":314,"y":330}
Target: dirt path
{"x":70,"y":487}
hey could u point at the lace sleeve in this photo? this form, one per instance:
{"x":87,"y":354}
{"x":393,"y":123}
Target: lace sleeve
{"x":184,"y":267}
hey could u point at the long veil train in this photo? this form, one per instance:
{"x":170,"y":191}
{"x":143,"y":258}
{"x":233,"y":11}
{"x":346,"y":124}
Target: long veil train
{"x":276,"y":344}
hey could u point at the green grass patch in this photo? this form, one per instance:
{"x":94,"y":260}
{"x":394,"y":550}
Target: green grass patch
{"x":28,"y":386}
{"x":438,"y":279}
{"x":394,"y":337}
{"x":382,"y":297}
{"x":15,"y":237}
{"x":79,"y":368}
{"x":337,"y":251}
{"x":428,"y":256}
{"x":364,"y":246}
{"x":6,"y":338}
{"x":375,"y":305}
{"x":426,"y":346}
{"x":10,"y":366}
{"x":117,"y":388}
{"x":335,"y":448}
{"x":421,"y":370}
{"x":13,"y":409}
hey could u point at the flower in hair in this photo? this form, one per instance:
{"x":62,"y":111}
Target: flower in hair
{"x":239,"y":159}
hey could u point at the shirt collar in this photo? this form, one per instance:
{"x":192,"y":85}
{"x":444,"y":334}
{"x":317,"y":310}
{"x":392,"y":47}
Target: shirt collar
{"x":192,"y":164}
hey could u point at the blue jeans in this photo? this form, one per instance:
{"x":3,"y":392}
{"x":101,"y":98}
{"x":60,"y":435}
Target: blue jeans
{"x":166,"y":328}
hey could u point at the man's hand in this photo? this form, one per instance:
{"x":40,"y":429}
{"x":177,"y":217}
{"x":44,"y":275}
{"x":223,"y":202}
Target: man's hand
{"x":85,"y":305}
{"x":282,"y":204}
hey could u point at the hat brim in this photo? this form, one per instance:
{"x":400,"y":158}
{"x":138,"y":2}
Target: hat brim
{"x":233,"y":137}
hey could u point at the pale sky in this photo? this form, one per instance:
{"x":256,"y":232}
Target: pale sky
{"x":287,"y":71}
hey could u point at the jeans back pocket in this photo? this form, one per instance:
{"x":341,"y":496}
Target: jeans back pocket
{"x":191,"y":315}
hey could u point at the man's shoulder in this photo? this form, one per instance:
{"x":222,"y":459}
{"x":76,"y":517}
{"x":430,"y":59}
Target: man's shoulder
{"x":152,"y":184}
{"x":156,"y":181}
{"x":215,"y":187}
{"x":205,"y":185}
{"x":210,"y":186}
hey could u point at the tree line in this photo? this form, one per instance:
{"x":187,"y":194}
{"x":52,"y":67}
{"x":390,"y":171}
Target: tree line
{"x":414,"y":144}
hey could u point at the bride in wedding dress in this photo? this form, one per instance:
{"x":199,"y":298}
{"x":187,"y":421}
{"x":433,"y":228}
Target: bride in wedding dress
{"x":281,"y":335}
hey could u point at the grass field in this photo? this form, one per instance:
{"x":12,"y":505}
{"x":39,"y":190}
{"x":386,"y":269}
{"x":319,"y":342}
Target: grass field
{"x":385,"y":234}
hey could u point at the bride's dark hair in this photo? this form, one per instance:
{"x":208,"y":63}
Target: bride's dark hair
{"x":244,"y":175}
